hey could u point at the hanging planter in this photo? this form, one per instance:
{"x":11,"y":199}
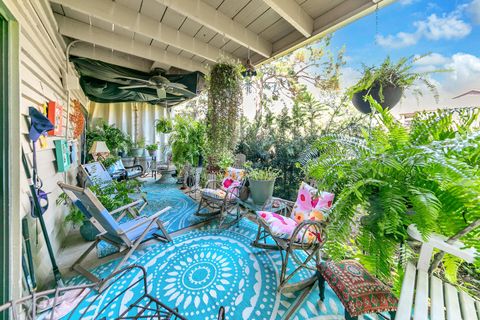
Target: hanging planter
{"x":224,"y":102}
{"x":391,"y":97}
{"x":387,"y":83}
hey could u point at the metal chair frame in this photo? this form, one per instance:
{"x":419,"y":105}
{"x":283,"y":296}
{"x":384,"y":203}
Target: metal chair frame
{"x":289,"y":248}
{"x":219,"y":206}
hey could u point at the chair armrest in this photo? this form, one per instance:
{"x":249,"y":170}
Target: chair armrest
{"x":135,"y":166}
{"x":125,"y":207}
{"x":150,"y":219}
{"x":456,"y":248}
{"x":215,"y":184}
{"x":317,"y":227}
{"x":288,"y":206}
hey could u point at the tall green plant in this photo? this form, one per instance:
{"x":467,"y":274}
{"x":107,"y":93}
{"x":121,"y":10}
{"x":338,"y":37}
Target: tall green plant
{"x":393,"y":177}
{"x":188,"y":141}
{"x":224,"y":103}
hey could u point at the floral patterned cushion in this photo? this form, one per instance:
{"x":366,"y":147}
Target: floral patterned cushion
{"x":311,"y":204}
{"x":233,"y":178}
{"x":283,"y":227}
{"x":359,"y":291}
{"x":216,"y":194}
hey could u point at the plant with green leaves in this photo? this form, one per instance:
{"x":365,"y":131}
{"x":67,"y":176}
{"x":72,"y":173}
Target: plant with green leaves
{"x":392,"y":177}
{"x":152,"y":147}
{"x":226,"y":160}
{"x":109,"y":161}
{"x":188,"y":141}
{"x":224,"y":107}
{"x":268,"y":173}
{"x":115,"y":139}
{"x":400,"y":75}
{"x":163,"y":125}
{"x":111,"y":196}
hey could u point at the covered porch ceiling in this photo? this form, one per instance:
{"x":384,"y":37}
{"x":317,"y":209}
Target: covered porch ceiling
{"x":191,"y":35}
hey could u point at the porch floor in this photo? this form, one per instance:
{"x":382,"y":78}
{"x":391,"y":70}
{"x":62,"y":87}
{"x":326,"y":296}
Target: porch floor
{"x":205,"y":267}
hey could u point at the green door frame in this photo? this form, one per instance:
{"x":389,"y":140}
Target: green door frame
{"x":4,"y":166}
{"x":10,"y":232}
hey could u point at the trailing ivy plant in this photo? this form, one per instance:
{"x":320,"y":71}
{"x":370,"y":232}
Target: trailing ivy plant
{"x":163,"y":125}
{"x":224,"y":108}
{"x":392,"y":177}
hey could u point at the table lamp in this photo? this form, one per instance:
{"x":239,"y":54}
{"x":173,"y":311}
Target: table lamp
{"x":99,"y":149}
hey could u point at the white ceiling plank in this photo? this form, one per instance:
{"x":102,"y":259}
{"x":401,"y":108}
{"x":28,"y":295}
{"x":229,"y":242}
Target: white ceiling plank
{"x":130,"y":19}
{"x":293,"y":14}
{"x":86,"y":50}
{"x":81,"y":31}
{"x":213,"y":19}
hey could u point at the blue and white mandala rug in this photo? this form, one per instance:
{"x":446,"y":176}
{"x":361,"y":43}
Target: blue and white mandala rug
{"x":206,"y":268}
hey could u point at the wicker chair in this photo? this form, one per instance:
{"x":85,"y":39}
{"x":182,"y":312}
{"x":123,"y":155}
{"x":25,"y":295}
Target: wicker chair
{"x":298,"y":231}
{"x":220,"y":197}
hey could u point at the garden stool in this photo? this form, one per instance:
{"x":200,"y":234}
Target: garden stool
{"x":358,"y":291}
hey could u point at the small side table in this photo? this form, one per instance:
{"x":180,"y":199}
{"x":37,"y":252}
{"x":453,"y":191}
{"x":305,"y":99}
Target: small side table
{"x":166,"y":172}
{"x":358,"y":290}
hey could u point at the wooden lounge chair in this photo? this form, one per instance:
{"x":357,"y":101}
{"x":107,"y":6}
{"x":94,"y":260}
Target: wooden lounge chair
{"x":426,"y":296}
{"x":221,"y":196}
{"x":298,"y":231}
{"x":126,"y":236}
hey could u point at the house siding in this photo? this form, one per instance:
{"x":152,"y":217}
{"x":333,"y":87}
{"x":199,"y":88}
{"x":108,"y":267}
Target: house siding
{"x":41,"y":65}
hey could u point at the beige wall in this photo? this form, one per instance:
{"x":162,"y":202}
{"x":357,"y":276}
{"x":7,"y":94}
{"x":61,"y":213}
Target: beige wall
{"x":41,"y":65}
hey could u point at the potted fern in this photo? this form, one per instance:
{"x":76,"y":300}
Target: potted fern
{"x":393,"y":177}
{"x":261,"y":183}
{"x":387,"y":84}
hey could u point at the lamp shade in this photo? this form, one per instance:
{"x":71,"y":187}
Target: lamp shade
{"x":99,"y":147}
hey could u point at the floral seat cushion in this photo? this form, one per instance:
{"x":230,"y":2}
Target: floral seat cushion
{"x":283,"y":227}
{"x":218,"y":194}
{"x":311,"y":204}
{"x":359,"y":291}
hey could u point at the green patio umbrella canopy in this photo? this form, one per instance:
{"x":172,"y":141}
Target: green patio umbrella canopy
{"x":101,"y":82}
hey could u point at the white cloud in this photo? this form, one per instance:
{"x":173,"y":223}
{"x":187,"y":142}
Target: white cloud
{"x":400,"y":40}
{"x":407,"y":2}
{"x":448,"y":26}
{"x":464,"y":76}
{"x":434,"y":59}
{"x":474,"y":11}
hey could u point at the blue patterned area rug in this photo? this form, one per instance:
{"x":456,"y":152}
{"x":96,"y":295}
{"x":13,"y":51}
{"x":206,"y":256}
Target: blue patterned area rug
{"x":206,"y":268}
{"x":159,"y":196}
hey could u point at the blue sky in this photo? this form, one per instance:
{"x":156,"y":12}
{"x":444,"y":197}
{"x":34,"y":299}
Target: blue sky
{"x":448,"y":29}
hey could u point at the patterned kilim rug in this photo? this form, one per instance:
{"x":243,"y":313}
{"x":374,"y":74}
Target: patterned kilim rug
{"x":159,"y":196}
{"x":206,"y":268}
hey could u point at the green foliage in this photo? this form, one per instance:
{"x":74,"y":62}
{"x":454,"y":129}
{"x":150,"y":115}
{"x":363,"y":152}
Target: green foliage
{"x":163,"y":125}
{"x":392,"y":177}
{"x":226,"y":160}
{"x":224,"y":102}
{"x":263,"y":174}
{"x":152,"y":147}
{"x":188,"y":141}
{"x":140,"y":143}
{"x":390,"y":74}
{"x":115,"y":139}
{"x":111,"y":196}
{"x":110,"y":160}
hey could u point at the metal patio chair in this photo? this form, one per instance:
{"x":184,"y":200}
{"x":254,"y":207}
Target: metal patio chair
{"x":221,"y":196}
{"x":298,"y":230}
{"x":125,"y":236}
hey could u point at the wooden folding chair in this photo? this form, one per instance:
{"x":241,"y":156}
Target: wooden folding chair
{"x":126,"y":236}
